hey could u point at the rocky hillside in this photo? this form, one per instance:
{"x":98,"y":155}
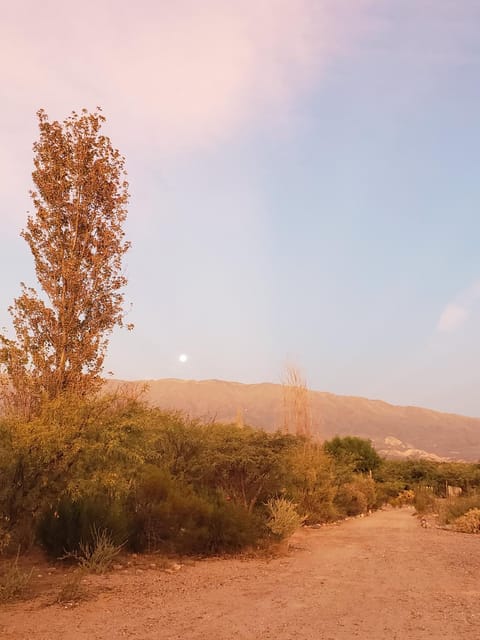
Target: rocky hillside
{"x":397,"y":431}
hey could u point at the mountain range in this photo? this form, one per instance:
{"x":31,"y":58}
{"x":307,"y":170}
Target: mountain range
{"x":395,"y":431}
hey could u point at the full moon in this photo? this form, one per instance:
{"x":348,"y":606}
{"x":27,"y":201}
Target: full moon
{"x":182,"y":358}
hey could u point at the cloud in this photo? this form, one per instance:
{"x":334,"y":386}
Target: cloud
{"x":182,"y":74}
{"x":457,"y":313}
{"x":172,"y":78}
{"x":452,"y":318}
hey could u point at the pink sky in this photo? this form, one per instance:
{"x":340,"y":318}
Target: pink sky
{"x":171,"y":77}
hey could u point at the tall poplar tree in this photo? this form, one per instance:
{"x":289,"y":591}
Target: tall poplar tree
{"x":77,"y":241}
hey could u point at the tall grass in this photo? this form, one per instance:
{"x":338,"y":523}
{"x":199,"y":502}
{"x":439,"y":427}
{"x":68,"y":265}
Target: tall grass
{"x":13,"y":581}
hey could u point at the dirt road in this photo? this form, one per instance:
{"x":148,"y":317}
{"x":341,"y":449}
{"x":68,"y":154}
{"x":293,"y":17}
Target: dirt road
{"x":381,"y":577}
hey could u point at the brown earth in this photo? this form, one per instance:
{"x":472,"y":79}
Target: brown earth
{"x":395,"y":431}
{"x":380,"y":577}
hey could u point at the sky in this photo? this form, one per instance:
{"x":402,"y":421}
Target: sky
{"x":304,"y":179}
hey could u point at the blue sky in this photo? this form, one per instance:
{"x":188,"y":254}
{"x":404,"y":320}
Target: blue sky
{"x":304,"y":180}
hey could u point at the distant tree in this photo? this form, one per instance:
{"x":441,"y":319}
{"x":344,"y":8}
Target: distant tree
{"x":357,"y":452}
{"x":296,"y":405}
{"x":77,"y":242}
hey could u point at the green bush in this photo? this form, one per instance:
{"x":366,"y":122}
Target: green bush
{"x":170,"y":516}
{"x":356,"y":452}
{"x":64,"y":528}
{"x":230,"y":528}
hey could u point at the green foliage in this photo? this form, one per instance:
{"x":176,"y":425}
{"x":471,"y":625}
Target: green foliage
{"x":63,"y":528}
{"x":357,"y":452}
{"x":161,"y":482}
{"x":246,"y":465}
{"x":437,"y":475}
{"x":170,"y":516}
{"x":469,"y":522}
{"x":74,"y":448}
{"x":284,"y":518}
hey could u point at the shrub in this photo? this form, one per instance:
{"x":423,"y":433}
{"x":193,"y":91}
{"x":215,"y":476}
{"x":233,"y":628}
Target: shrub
{"x":469,"y":522}
{"x":356,"y":497}
{"x":312,"y":482}
{"x":356,"y":452}
{"x":424,"y":500}
{"x":230,"y":528}
{"x":284,"y":519}
{"x":453,"y":508}
{"x":170,"y":516}
{"x":404,"y":498}
{"x":98,"y":555}
{"x":63,"y":528}
{"x":388,"y":491}
{"x":72,"y":589}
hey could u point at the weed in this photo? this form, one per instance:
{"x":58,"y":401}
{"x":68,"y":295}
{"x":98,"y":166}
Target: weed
{"x":72,"y":589}
{"x":13,"y":581}
{"x":96,"y":556}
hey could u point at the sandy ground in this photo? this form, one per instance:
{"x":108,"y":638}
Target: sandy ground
{"x":381,"y":577}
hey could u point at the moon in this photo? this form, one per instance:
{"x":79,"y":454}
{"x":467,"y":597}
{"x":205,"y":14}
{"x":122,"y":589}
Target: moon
{"x":183,"y":358}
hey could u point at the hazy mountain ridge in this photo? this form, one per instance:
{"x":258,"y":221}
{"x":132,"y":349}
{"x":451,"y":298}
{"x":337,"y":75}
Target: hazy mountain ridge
{"x":395,"y":430}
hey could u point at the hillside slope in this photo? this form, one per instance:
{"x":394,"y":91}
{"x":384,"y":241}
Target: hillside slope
{"x":394,"y":430}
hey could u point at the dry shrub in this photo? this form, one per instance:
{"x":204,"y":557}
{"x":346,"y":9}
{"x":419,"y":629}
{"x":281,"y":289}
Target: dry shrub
{"x":96,"y":556}
{"x":469,"y":522}
{"x":357,"y":496}
{"x":284,"y":519}
{"x":72,"y":589}
{"x":453,"y":508}
{"x":424,"y":500}
{"x":403,"y":499}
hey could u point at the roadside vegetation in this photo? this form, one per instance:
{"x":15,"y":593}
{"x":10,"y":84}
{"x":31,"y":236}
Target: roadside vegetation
{"x":87,"y":477}
{"x":450,"y":491}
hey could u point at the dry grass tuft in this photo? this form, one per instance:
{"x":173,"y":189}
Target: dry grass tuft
{"x":13,"y":581}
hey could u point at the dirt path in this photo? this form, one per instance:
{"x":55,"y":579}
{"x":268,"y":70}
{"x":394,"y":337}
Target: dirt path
{"x":382,"y":577}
